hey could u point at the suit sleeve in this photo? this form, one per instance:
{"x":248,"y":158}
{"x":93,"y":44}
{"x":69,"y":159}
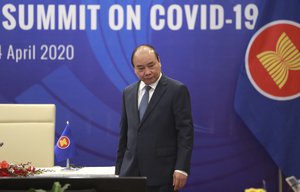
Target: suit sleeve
{"x":184,"y":128}
{"x":122,"y":138}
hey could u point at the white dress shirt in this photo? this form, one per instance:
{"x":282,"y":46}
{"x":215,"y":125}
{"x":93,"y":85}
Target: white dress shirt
{"x":151,"y":91}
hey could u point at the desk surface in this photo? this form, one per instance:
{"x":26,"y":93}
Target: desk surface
{"x":77,"y":172}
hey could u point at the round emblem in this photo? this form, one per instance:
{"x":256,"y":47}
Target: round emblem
{"x":273,"y":60}
{"x":63,"y":142}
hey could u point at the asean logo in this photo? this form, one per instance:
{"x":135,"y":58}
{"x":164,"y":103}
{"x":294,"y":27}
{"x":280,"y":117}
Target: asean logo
{"x":63,"y":142}
{"x":273,"y":60}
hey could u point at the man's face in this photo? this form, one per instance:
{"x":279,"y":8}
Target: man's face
{"x":146,"y":66}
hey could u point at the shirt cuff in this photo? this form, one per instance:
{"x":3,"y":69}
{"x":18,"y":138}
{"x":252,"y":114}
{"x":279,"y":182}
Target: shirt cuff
{"x":182,"y":172}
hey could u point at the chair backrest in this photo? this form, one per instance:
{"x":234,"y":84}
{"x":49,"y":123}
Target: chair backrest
{"x":27,"y":132}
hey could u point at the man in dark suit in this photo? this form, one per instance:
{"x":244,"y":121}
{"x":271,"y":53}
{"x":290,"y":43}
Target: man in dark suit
{"x":157,"y":144}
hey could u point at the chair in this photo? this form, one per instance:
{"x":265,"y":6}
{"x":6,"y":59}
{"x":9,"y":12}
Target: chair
{"x":27,"y":132}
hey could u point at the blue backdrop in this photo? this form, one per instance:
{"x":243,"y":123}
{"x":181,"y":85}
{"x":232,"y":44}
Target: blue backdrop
{"x":76,"y":54}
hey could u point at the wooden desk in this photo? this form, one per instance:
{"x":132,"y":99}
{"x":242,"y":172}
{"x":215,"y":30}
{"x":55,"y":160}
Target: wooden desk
{"x":99,"y":179}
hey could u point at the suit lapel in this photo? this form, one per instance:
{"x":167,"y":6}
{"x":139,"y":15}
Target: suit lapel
{"x":135,"y":101}
{"x":157,"y":95}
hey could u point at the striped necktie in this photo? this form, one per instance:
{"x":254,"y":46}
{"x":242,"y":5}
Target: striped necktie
{"x":144,"y":102}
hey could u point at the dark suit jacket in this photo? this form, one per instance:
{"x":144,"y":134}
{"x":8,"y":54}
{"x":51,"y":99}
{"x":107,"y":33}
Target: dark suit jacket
{"x":162,"y":141}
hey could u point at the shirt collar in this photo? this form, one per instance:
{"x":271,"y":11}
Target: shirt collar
{"x":153,"y":85}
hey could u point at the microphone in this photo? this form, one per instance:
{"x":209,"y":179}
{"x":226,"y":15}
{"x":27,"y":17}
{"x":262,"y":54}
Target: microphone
{"x":293,"y":183}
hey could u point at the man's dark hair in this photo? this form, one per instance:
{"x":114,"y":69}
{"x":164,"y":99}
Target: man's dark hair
{"x":144,"y":45}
